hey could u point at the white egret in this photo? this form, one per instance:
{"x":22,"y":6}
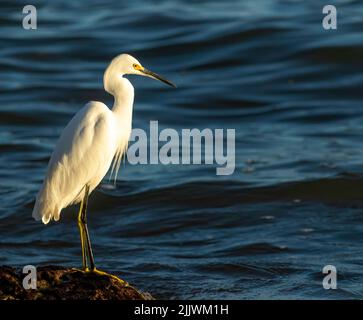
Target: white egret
{"x":95,"y":137}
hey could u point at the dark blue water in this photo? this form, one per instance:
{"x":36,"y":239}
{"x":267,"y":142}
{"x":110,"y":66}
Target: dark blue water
{"x":292,"y":91}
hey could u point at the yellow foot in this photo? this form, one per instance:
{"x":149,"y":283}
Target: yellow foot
{"x":81,"y":270}
{"x":102,"y":273}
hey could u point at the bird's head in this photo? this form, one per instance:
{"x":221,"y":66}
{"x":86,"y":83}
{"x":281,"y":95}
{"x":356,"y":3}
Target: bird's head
{"x":127,"y":64}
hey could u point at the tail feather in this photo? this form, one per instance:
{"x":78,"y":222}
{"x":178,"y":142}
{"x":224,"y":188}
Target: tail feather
{"x":45,"y":211}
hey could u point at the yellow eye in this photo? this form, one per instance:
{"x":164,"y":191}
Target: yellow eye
{"x":136,"y":66}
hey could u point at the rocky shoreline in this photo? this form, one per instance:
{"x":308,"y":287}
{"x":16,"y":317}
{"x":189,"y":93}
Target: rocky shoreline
{"x":61,"y":283}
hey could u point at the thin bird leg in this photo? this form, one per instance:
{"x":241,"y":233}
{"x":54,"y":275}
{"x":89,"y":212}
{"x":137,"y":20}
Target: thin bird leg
{"x":82,"y":235}
{"x":87,"y":238}
{"x":87,"y":253}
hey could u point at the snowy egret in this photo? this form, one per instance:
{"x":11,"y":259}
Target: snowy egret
{"x":95,"y":138}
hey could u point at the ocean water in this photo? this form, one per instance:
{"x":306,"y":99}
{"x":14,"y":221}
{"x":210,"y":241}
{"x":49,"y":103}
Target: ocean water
{"x":292,"y":91}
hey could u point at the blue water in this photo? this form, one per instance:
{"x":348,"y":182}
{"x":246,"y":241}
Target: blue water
{"x":290,"y":89}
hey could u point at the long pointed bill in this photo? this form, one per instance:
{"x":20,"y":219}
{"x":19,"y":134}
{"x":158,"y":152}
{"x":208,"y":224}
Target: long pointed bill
{"x":157,"y":77}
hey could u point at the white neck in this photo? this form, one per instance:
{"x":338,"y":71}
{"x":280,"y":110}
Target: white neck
{"x":121,"y":88}
{"x":123,"y":93}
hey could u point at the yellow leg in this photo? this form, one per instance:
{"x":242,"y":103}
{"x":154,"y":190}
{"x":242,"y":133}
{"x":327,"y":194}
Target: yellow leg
{"x":87,"y":255}
{"x":81,"y":233}
{"x":86,"y":239}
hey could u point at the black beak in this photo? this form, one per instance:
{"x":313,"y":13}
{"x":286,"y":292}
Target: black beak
{"x":157,"y":77}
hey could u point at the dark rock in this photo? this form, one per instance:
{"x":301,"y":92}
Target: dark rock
{"x":60,"y":283}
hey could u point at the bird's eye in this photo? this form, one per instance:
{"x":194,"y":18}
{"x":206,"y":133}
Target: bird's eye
{"x":135,"y":65}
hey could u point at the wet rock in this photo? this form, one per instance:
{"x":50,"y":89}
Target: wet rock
{"x":60,"y":283}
